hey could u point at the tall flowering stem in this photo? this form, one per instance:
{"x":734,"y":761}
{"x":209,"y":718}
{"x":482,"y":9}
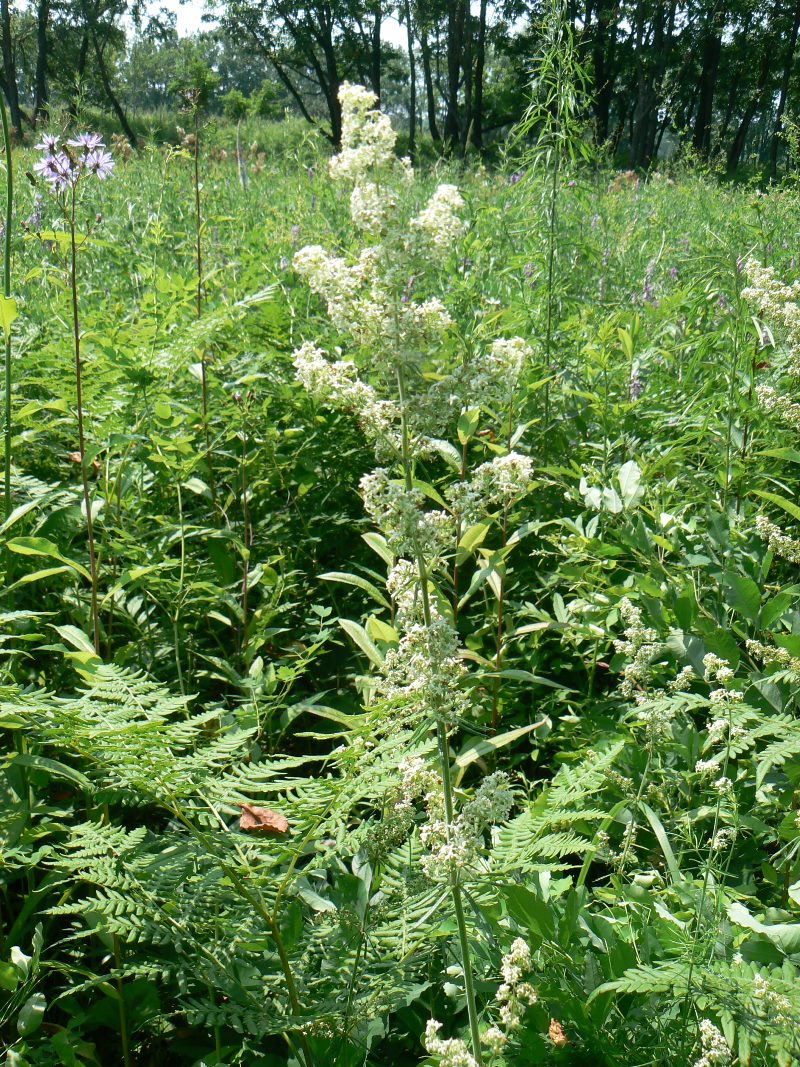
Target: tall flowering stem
{"x":8,"y":306}
{"x":413,"y":401}
{"x":76,"y":337}
{"x":64,"y":170}
{"x":443,"y":746}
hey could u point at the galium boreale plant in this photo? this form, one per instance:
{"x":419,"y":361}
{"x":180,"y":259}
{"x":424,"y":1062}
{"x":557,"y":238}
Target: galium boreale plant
{"x":407,"y":400}
{"x":68,"y":172}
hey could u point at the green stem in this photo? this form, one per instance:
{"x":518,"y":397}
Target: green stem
{"x":87,"y":502}
{"x":444,"y":755}
{"x":7,"y":296}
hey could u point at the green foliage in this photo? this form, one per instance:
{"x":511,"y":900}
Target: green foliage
{"x":240,"y":645}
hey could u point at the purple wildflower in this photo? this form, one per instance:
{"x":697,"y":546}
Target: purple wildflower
{"x":48,"y":143}
{"x":571,"y":184}
{"x":99,"y":163}
{"x":634,"y":384}
{"x":295,"y":233}
{"x":517,"y":176}
{"x":528,"y":269}
{"x":673,"y":273}
{"x":87,"y":142}
{"x":58,"y":170}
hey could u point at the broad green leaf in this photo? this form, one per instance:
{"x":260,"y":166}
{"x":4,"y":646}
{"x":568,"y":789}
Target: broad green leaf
{"x":781,"y":502}
{"x":378,"y":545}
{"x":785,"y":936}
{"x":359,"y":582}
{"x":8,"y":312}
{"x":491,"y":744}
{"x":52,"y":767}
{"x":468,"y":424}
{"x":360,"y":636}
{"x":75,"y":637}
{"x":742,"y":594}
{"x":629,"y":478}
{"x":381,"y":631}
{"x":41,"y":546}
{"x":31,"y":1014}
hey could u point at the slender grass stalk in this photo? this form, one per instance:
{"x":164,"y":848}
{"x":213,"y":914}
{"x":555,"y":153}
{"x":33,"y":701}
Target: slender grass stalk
{"x":87,"y":500}
{"x":247,"y":533}
{"x":443,"y":745}
{"x":7,"y":298}
{"x":198,"y":232}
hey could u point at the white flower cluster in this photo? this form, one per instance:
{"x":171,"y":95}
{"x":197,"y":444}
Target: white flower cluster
{"x":498,"y":482}
{"x":489,"y":377}
{"x":515,"y":994}
{"x":439,"y":220}
{"x":776,"y":301}
{"x":361,"y":302}
{"x":778,"y":1005}
{"x":504,"y":478}
{"x":717,"y":669}
{"x":640,"y":644}
{"x":368,"y":139}
{"x":452,"y":1051}
{"x":451,"y":847}
{"x":777,"y":541}
{"x":723,"y":839}
{"x":771,"y":400}
{"x":682,"y":680}
{"x":337,"y":385}
{"x":423,"y":674}
{"x":767,"y":654}
{"x":715,"y":1049}
{"x":409,"y":528}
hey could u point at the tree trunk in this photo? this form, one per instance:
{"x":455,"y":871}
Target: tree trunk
{"x":375,"y":52}
{"x":455,"y":30}
{"x":772,"y":165}
{"x":709,"y":65}
{"x":9,"y":67}
{"x":466,"y":64}
{"x":480,"y":68}
{"x":429,"y":93}
{"x":737,"y":145}
{"x":117,"y":108}
{"x":603,"y":42}
{"x":41,"y":95}
{"x":412,"y":83}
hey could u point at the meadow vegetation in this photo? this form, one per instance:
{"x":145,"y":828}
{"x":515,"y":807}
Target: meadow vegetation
{"x":401,"y":629}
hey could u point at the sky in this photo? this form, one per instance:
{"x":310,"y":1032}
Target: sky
{"x":190,"y":14}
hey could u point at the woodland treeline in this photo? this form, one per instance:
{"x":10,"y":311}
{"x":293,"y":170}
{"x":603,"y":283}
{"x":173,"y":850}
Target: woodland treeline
{"x":721,"y":78}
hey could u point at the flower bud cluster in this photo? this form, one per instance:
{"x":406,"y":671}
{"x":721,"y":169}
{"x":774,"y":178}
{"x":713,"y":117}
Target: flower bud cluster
{"x":439,"y":221}
{"x":515,"y":994}
{"x":424,"y":673}
{"x":777,"y":541}
{"x":640,"y":644}
{"x":452,"y":846}
{"x":337,"y":385}
{"x":410,"y":529}
{"x":767,"y":654}
{"x":715,"y":1049}
{"x":452,"y":1051}
{"x":778,"y":1005}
